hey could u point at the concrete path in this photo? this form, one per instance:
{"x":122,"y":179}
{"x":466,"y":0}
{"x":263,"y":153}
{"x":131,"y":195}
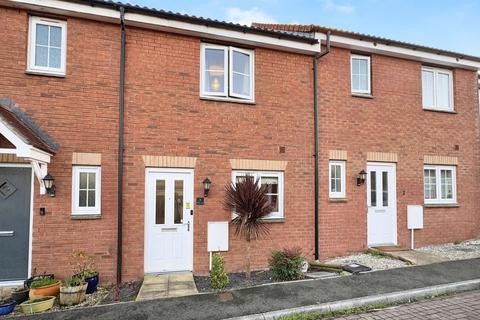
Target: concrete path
{"x":418,"y":258}
{"x":462,"y":306}
{"x":167,"y":285}
{"x":267,"y":298}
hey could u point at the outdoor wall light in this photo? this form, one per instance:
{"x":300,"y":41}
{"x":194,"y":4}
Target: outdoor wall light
{"x":361,"y":177}
{"x":206,"y":187}
{"x":49,"y":186}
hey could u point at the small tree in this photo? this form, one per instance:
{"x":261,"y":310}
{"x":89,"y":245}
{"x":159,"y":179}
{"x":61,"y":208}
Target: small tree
{"x":250,"y":203}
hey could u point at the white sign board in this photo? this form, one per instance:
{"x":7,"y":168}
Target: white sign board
{"x":415,"y":217}
{"x":217,"y":236}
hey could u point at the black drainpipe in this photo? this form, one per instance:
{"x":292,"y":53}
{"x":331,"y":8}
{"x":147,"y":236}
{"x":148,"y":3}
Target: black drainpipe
{"x":315,"y":130}
{"x":120,"y":147}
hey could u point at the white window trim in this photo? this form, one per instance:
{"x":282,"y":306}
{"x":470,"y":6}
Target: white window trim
{"x":76,"y":209}
{"x":256,"y":174}
{"x":227,"y":94}
{"x":438,"y":185}
{"x":436,"y":71}
{"x":342,"y":193}
{"x":250,"y":53}
{"x":369,"y":79}
{"x":31,"y":67}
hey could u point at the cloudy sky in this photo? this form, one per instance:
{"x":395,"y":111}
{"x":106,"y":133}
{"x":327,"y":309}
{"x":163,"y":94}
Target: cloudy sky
{"x":445,"y":24}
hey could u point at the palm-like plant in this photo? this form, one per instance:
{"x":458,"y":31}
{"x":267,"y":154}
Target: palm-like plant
{"x":249,"y":201}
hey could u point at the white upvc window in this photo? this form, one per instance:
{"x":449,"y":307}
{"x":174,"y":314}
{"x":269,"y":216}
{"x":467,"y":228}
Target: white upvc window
{"x":47,"y":46}
{"x":440,"y":184}
{"x":275,"y":186}
{"x":86,"y":190}
{"x":437,"y":89}
{"x":336,"y":177}
{"x":360,"y":74}
{"x":227,"y":72}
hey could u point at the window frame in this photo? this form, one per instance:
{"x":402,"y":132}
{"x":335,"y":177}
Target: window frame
{"x":76,"y":209}
{"x":227,"y":93}
{"x":438,"y":184}
{"x":280,"y":214}
{"x":369,"y":74}
{"x":436,"y":72}
{"x":32,"y":35}
{"x":342,"y":193}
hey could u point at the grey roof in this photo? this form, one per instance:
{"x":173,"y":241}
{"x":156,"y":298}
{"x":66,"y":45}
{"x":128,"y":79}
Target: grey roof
{"x":199,"y":20}
{"x":310,"y":28}
{"x":26,"y":127}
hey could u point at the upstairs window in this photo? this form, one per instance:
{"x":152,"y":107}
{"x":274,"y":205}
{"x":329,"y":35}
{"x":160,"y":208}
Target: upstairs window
{"x":360,"y":73}
{"x":47,"y":46}
{"x":437,"y":89}
{"x":227,"y":72}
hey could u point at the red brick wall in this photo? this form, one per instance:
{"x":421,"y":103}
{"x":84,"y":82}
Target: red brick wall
{"x":394,"y":121}
{"x":80,"y":113}
{"x":164,"y":116}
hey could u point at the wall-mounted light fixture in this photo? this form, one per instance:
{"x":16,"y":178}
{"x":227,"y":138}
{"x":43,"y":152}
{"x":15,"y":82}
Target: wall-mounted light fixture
{"x":361,"y":177}
{"x":49,"y":186}
{"x":206,"y":187}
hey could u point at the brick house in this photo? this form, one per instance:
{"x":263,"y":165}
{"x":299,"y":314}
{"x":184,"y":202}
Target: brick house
{"x":187,"y":98}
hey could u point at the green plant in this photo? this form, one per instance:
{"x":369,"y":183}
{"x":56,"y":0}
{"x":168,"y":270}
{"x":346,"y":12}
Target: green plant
{"x":74,"y":281}
{"x":286,"y":265}
{"x":218,"y":277}
{"x":83,"y":264}
{"x":42,"y":282}
{"x":249,"y":200}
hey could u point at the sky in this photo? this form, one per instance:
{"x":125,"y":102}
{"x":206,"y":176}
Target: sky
{"x":445,"y":24}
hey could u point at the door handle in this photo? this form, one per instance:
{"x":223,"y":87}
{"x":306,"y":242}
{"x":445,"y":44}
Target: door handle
{"x":188,"y":226}
{"x":7,"y":233}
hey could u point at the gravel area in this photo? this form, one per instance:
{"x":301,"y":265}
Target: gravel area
{"x":237,"y":280}
{"x":455,"y":251}
{"x":376,"y":262}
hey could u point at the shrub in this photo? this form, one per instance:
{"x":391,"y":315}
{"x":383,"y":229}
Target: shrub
{"x":83,"y":265}
{"x":74,"y":281}
{"x":286,"y":265}
{"x":218,"y":276}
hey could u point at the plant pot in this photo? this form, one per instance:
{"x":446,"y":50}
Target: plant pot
{"x":29,"y":281}
{"x":38,"y":304}
{"x":70,"y":296}
{"x":6,"y":308}
{"x":92,"y":283}
{"x":50,"y":290}
{"x":21,"y":295}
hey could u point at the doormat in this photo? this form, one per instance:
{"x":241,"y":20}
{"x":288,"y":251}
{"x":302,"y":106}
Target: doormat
{"x":356,"y":268}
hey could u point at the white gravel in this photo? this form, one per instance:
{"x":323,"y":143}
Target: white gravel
{"x":373,"y":261}
{"x":455,"y":251}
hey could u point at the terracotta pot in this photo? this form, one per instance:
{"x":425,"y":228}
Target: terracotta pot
{"x":72,"y":295}
{"x":50,"y":290}
{"x":38,"y":304}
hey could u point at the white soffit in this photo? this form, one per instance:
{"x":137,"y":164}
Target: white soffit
{"x":162,"y":24}
{"x":399,"y":52}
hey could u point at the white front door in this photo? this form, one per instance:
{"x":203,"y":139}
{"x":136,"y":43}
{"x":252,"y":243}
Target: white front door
{"x":168,"y":220}
{"x":382,"y":204}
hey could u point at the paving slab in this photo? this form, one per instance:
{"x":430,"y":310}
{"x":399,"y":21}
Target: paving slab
{"x":417,"y":257}
{"x":165,"y":285}
{"x":274,"y":297}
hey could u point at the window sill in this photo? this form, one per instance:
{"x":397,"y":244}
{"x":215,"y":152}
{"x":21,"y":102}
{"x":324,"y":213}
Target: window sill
{"x":338,"y":200}
{"x":438,"y":110}
{"x":45,"y":73}
{"x":79,"y":216}
{"x":273,"y":220}
{"x":223,"y":99}
{"x":441,"y":205}
{"x":362,"y":95}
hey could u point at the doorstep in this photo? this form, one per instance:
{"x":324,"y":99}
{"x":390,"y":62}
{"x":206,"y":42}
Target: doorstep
{"x":167,"y":285}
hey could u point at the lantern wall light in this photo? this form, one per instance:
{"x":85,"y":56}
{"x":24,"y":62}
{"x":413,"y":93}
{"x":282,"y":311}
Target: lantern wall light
{"x":361,"y":177}
{"x":48,"y":181}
